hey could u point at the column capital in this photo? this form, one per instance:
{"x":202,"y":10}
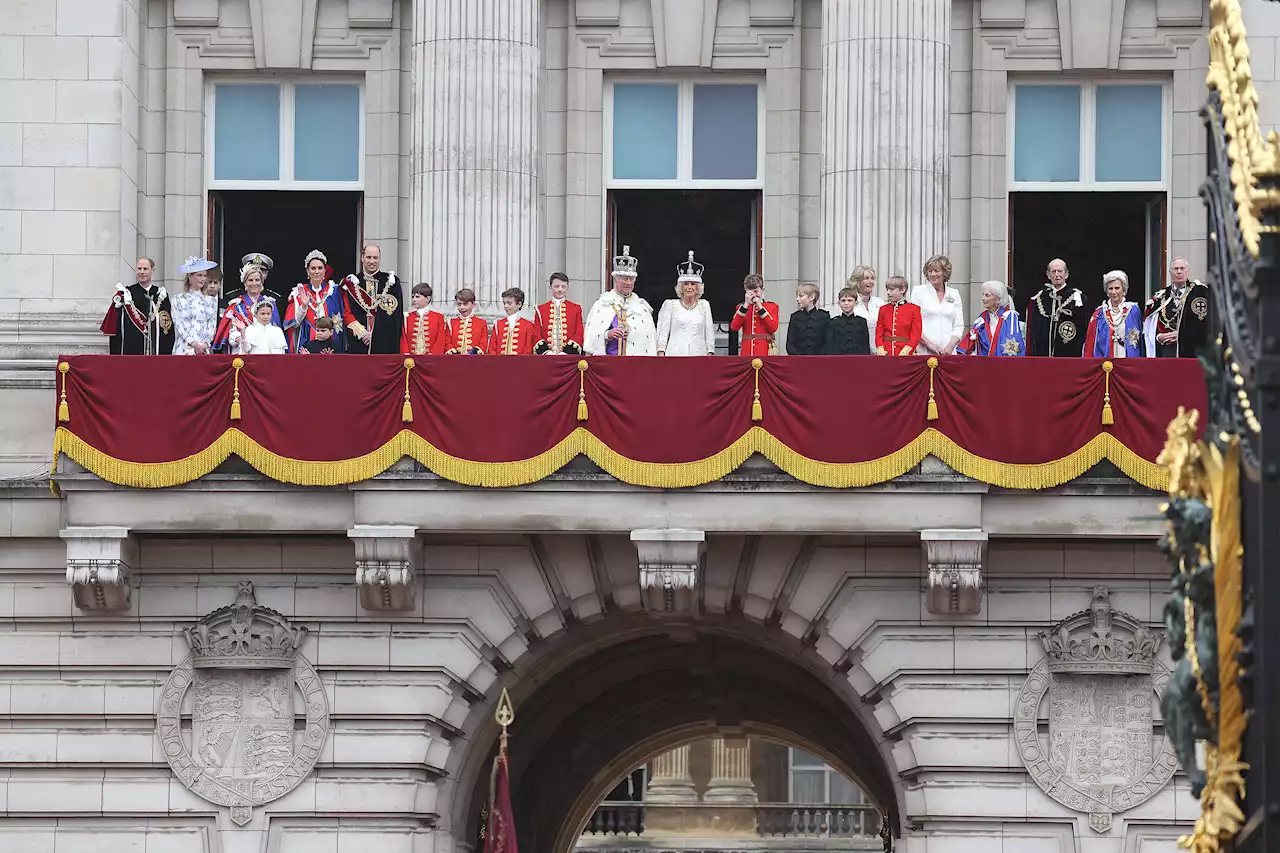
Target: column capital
{"x":386,"y":562}
{"x":100,"y":561}
{"x":955,"y":559}
{"x":669,"y":563}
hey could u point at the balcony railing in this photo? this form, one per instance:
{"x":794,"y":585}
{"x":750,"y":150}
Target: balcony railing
{"x":772,"y":820}
{"x":621,"y":818}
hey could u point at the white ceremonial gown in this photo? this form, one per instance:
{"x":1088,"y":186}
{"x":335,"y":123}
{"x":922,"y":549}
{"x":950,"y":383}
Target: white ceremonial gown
{"x":641,"y":337}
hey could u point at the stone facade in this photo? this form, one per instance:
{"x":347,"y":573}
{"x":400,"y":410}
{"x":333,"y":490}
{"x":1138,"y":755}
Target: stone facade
{"x":890,"y":631}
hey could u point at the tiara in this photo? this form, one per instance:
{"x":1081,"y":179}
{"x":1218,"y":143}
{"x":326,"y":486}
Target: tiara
{"x":690,"y":270}
{"x":315,"y":254}
{"x":624,"y":264}
{"x":248,"y":268}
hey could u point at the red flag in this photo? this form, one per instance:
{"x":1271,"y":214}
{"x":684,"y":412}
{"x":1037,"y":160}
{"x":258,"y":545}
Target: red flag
{"x":500,"y":834}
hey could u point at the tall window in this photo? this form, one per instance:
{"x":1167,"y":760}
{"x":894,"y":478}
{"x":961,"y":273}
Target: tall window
{"x":704,"y":133}
{"x":812,"y":782}
{"x":1081,"y":135}
{"x":1088,"y":176}
{"x":278,"y":134}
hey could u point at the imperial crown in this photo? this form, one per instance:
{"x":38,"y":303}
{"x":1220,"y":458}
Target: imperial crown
{"x":1087,"y":641}
{"x":243,"y":635}
{"x":690,"y":270}
{"x":624,"y":264}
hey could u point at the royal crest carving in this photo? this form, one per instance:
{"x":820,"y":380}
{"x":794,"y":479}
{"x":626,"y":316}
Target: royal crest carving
{"x":1101,"y":755}
{"x":249,"y":686}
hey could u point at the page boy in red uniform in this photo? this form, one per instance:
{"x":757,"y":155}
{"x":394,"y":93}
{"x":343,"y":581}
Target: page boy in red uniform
{"x":559,"y":322}
{"x":899,"y":327}
{"x":467,"y":332}
{"x":425,"y":331}
{"x":756,"y":319}
{"x":513,"y":334}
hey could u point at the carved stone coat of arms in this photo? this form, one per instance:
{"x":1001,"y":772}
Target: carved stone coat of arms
{"x":1102,"y":678}
{"x":244,"y":687}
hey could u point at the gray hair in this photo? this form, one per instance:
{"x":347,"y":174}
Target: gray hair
{"x":1116,"y":275}
{"x":1000,"y":291}
{"x":702,"y":288}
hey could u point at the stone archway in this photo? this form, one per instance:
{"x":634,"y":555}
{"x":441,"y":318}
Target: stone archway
{"x":603,"y":698}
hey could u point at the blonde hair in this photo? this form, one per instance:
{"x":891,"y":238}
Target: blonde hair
{"x":896,"y":281}
{"x":943,"y":263}
{"x":809,"y":288}
{"x":859,"y":273}
{"x":702,"y":288}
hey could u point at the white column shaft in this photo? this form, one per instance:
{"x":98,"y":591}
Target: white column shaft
{"x":885,"y":147}
{"x":669,"y":781}
{"x":476,"y":147}
{"x":730,"y":773}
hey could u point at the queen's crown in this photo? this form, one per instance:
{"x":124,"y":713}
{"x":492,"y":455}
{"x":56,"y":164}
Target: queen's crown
{"x":243,"y":635}
{"x":690,"y":270}
{"x":1088,"y":641}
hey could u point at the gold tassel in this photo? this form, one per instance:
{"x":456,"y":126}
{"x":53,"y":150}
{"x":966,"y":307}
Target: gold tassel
{"x":237,"y":363}
{"x":931,"y":413}
{"x":64,"y":412}
{"x":582,"y":395}
{"x":406,"y":411}
{"x":757,"y":412}
{"x":1107,"y":417}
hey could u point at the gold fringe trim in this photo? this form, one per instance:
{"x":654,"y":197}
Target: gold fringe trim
{"x":64,"y":412}
{"x":674,"y":475}
{"x":1107,"y":417}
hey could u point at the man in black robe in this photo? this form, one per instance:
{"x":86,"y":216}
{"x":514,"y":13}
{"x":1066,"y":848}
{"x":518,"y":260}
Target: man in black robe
{"x":1057,"y":316}
{"x":1175,"y":321}
{"x":139,"y":320}
{"x":373,"y":307}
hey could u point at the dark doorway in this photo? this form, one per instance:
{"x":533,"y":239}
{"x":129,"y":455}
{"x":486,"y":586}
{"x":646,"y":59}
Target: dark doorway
{"x":285,"y":226}
{"x":661,"y":226}
{"x":1094,"y":232}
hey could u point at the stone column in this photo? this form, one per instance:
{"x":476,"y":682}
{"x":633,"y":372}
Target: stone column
{"x":730,"y":772}
{"x":476,"y":153}
{"x":670,"y":781}
{"x":885,"y":147}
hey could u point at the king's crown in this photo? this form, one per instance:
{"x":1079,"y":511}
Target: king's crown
{"x":243,"y":635}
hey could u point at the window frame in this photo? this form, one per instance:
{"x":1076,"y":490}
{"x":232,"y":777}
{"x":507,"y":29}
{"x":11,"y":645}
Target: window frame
{"x":684,"y":132}
{"x":1088,"y":135}
{"x":288,"y":87}
{"x":827,"y":772}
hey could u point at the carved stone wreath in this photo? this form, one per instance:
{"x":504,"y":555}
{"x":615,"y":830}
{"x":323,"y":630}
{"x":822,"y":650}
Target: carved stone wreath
{"x":1098,"y":758}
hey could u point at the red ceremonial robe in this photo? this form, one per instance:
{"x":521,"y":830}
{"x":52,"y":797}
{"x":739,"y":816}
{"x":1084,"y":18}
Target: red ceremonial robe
{"x":898,"y":329}
{"x":469,"y":334}
{"x":425,"y":333}
{"x":513,"y":336}
{"x":557,"y":329}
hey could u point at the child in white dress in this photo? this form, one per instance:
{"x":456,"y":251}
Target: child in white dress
{"x":263,"y":338}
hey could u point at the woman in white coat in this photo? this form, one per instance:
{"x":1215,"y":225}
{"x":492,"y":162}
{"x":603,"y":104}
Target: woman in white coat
{"x":941,"y":310}
{"x":684,"y":325}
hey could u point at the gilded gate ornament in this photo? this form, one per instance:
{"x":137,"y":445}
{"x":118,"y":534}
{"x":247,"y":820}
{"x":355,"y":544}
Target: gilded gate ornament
{"x":244,"y":675}
{"x":1102,"y":678}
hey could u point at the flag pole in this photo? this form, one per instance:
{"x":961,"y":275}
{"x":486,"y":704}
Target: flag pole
{"x":499,"y":830}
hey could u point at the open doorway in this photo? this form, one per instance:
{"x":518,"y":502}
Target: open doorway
{"x":285,"y":226}
{"x":661,"y":226}
{"x":1094,"y":232}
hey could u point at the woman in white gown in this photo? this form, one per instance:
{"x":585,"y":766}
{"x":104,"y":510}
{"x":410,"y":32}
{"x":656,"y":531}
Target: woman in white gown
{"x":684,"y":325}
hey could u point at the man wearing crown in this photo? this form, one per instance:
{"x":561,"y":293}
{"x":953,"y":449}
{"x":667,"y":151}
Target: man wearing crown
{"x":1175,"y":320}
{"x":621,"y":323}
{"x":559,"y":322}
{"x":139,"y":320}
{"x":308,"y":302}
{"x":373,"y":307}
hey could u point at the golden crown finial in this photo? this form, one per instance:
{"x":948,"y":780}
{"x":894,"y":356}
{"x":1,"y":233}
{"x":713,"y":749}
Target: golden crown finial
{"x":506,"y":714}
